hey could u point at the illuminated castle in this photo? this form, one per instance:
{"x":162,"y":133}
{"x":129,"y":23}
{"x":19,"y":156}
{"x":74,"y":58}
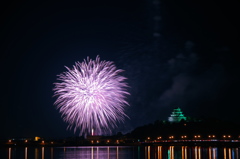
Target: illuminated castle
{"x":176,"y":116}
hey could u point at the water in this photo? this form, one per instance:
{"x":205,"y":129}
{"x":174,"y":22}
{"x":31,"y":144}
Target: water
{"x":121,"y":152}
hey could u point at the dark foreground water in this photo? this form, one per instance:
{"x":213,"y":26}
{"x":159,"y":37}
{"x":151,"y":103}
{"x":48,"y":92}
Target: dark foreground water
{"x":121,"y":152}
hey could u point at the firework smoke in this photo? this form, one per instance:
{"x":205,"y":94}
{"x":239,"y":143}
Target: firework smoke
{"x":91,"y":95}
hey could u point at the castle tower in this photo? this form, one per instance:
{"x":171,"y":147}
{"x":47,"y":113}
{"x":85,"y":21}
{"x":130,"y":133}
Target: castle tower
{"x":176,"y":116}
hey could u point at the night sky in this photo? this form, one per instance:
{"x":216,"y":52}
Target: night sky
{"x":174,"y":53}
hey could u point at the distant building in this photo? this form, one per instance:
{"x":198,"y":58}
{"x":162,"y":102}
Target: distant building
{"x":176,"y":116}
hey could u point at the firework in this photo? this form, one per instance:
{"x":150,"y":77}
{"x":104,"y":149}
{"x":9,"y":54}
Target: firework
{"x":91,"y":96}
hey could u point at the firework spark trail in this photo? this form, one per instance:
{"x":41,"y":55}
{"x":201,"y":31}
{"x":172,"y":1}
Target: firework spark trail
{"x":92,"y":95}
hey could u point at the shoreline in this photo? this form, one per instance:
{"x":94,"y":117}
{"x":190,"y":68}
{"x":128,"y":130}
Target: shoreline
{"x":215,"y":144}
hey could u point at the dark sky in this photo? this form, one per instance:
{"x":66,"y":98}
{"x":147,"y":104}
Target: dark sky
{"x":174,"y":53}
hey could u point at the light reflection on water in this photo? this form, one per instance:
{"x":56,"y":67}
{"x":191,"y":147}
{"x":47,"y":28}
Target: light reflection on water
{"x":121,"y":152}
{"x":90,"y":152}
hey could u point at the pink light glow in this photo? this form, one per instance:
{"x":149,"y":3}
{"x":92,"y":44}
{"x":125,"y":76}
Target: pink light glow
{"x":91,"y":95}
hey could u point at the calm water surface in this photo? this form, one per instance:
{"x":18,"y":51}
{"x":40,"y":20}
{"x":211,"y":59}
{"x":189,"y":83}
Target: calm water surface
{"x":121,"y":152}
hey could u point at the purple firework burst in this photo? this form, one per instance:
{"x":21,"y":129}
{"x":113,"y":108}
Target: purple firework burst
{"x":92,"y":96}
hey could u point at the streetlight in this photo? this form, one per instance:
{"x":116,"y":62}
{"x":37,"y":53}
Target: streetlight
{"x":184,"y":137}
{"x":171,"y":137}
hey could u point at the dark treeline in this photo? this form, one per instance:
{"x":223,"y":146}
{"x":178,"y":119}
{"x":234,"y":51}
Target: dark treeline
{"x":204,"y":128}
